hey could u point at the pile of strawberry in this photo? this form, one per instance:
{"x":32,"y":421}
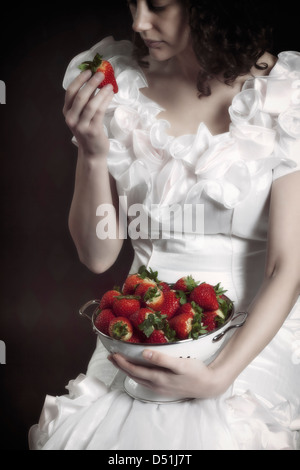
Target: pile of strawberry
{"x":148,"y":310}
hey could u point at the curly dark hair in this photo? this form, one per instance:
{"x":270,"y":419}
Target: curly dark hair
{"x":228,"y":36}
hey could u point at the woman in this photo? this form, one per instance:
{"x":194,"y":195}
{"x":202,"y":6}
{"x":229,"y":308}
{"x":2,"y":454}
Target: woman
{"x":208,"y":117}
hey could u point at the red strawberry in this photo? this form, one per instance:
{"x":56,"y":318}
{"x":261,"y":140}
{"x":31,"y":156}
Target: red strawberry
{"x":120,"y":328}
{"x":205,"y":296}
{"x":164,"y":286}
{"x":190,"y":307}
{"x":188,"y":322}
{"x":182,"y":324}
{"x":154,"y":298}
{"x":100,"y":65}
{"x":125,"y":305}
{"x":103,"y":320}
{"x":140,"y":316}
{"x":209,"y":320}
{"x":144,"y":285}
{"x":131,"y":283}
{"x":170,"y":304}
{"x":136,"y":338}
{"x":157,"y":336}
{"x":185,"y":283}
{"x":108,"y":298}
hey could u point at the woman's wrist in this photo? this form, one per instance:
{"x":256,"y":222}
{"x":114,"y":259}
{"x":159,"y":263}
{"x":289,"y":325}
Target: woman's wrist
{"x":91,"y":155}
{"x":220,"y":380}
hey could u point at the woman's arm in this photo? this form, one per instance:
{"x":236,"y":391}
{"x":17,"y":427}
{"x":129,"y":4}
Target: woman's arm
{"x":84,"y":112}
{"x":278,"y":294}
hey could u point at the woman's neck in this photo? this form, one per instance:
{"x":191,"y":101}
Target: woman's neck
{"x":183,"y":66}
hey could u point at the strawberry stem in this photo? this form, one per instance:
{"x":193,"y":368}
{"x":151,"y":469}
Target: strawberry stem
{"x":144,"y":272}
{"x":119,"y":330}
{"x":154,"y":321}
{"x":92,"y":65}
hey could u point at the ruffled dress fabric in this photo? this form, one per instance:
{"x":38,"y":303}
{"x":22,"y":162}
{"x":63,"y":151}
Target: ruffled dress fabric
{"x":229,"y":175}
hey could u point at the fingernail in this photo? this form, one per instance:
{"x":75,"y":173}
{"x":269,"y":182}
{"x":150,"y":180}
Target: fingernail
{"x":147,"y":354}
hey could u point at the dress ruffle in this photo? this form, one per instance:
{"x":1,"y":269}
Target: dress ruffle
{"x":264,"y":135}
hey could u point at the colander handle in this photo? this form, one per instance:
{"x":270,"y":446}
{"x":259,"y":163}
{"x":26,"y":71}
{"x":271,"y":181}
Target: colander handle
{"x":234,"y":325}
{"x":84,"y":308}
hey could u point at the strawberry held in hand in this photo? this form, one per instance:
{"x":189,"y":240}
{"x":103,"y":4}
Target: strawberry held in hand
{"x":100,"y":65}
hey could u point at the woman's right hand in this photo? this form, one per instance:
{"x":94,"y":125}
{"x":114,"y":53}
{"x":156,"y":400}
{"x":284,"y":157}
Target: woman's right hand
{"x":84,"y":112}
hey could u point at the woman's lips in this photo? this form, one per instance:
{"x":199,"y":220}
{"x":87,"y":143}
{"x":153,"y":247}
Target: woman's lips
{"x":153,"y":44}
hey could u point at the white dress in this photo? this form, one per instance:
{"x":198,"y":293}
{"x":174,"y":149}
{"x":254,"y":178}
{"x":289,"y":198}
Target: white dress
{"x":230,"y":175}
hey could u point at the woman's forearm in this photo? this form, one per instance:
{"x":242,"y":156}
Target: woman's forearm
{"x":93,"y":188}
{"x":266,"y":315}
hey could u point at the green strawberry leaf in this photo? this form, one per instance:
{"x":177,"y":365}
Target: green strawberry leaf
{"x":91,"y":64}
{"x":181,"y":295}
{"x":197,"y":309}
{"x":152,"y":293}
{"x":191,"y":283}
{"x":154,"y":321}
{"x":169,"y":333}
{"x":225,"y":305}
{"x":197,"y":327}
{"x":144,"y":272}
{"x":219,"y":289}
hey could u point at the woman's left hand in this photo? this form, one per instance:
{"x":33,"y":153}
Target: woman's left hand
{"x":180,"y":377}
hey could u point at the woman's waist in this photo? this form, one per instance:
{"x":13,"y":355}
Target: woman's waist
{"x":210,"y":252}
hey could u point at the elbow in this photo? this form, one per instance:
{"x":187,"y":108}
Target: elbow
{"x":97,"y":259}
{"x":94,"y":265}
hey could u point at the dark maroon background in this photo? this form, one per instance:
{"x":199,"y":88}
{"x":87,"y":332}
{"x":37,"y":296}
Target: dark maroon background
{"x":43,"y":283}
